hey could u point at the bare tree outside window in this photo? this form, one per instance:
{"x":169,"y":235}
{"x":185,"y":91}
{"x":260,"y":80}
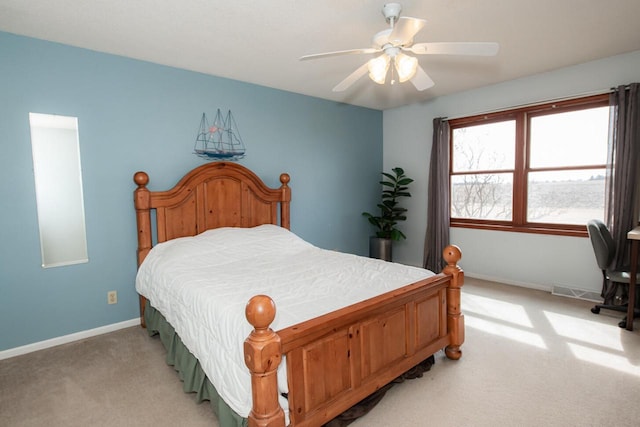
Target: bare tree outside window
{"x":488,"y":195}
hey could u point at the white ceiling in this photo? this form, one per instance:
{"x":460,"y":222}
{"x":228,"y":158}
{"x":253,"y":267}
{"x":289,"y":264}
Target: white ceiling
{"x":260,"y":41}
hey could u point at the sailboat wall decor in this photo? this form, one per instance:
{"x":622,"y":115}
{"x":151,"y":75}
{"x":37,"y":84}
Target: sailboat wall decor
{"x":219,"y":140}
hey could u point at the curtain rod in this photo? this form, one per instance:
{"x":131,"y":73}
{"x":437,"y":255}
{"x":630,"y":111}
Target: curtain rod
{"x":533,"y":104}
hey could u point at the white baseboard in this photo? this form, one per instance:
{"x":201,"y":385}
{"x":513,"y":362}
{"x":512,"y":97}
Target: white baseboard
{"x":29,"y":348}
{"x":558,"y":290}
{"x":536,"y":286}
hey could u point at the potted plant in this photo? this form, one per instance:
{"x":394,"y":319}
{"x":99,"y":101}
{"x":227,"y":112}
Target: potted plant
{"x":394,"y":187}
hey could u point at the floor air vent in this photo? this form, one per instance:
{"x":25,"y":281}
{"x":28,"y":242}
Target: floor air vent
{"x":563,"y":291}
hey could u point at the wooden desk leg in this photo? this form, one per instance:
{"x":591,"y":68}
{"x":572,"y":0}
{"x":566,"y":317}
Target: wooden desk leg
{"x":632,"y":284}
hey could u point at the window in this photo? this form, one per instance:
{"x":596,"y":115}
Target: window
{"x":537,"y":169}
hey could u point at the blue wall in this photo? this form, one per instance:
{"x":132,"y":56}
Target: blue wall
{"x":132,"y":116}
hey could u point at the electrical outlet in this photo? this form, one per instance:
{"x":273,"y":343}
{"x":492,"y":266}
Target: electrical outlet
{"x":112,"y":297}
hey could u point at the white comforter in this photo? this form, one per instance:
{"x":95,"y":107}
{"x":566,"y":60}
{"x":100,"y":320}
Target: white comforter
{"x":202,"y":284}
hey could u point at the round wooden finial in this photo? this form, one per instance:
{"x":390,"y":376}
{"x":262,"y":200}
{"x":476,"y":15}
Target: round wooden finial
{"x":141,"y":178}
{"x":452,"y":254}
{"x":260,"y":311}
{"x":284,"y":178}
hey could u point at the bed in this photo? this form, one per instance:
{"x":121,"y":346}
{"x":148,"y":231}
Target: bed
{"x":308,"y":361}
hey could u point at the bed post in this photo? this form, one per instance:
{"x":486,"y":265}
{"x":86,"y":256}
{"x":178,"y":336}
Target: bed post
{"x":285,"y":217}
{"x":142,"y":203}
{"x":262,"y":355}
{"x":455,"y":319}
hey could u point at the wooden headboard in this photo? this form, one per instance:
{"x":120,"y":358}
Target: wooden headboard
{"x":217,"y":194}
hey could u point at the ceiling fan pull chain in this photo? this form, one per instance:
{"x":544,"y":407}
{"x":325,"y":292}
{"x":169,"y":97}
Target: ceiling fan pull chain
{"x":393,"y":72}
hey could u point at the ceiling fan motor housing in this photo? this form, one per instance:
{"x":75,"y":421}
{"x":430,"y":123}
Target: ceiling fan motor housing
{"x":391,"y":11}
{"x":383,"y":39}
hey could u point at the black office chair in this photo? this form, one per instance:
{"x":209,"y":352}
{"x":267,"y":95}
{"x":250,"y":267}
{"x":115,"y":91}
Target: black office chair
{"x":604,"y":249}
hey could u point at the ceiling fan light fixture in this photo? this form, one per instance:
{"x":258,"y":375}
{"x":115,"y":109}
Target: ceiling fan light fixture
{"x":395,"y":39}
{"x":378,"y":68}
{"x":406,"y":66}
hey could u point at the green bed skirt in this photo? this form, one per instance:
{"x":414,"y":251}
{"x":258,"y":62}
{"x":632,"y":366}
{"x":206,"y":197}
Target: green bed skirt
{"x":195,"y":381}
{"x":188,"y":367}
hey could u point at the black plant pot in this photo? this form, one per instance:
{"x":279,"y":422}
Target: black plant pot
{"x":380,"y":248}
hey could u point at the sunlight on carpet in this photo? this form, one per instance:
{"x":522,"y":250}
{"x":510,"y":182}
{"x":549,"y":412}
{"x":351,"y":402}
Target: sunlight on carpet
{"x":504,"y":331}
{"x":590,"y":341}
{"x":603,"y":358}
{"x":505,"y":311}
{"x":511,"y":320}
{"x":587,"y":331}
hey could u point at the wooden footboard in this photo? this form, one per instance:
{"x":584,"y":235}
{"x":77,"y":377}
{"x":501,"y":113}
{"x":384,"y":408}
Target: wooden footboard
{"x":336,"y":360}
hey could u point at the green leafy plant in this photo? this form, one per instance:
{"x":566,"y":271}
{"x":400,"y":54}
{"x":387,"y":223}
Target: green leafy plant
{"x":394,"y":187}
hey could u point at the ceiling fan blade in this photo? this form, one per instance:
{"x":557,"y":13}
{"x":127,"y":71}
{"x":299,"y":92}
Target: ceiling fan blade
{"x":454,"y":48}
{"x":351,"y":78}
{"x":421,"y":80}
{"x":405,"y":29}
{"x":339,"y":52}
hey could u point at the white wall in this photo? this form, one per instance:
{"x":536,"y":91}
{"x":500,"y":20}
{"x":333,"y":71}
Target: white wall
{"x":533,"y":260}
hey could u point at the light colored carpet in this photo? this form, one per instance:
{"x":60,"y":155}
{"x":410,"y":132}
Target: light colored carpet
{"x":530,"y":359}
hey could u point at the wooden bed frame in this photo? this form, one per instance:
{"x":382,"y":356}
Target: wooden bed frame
{"x":335,"y":360}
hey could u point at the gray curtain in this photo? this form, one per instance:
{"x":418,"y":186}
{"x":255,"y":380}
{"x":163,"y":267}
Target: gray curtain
{"x":621,"y":210}
{"x":438,"y":214}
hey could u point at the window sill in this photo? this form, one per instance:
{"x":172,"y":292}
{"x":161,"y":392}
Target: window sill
{"x":573,"y":231}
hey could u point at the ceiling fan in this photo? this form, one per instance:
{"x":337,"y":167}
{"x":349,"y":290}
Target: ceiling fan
{"x":394,"y":43}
